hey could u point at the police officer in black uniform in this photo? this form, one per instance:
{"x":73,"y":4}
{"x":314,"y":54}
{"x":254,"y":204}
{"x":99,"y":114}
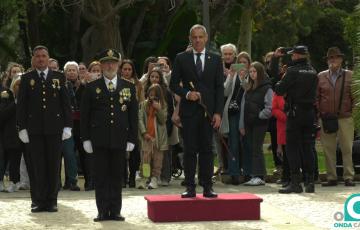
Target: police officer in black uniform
{"x":108,"y":125}
{"x":44,"y":119}
{"x":299,"y":87}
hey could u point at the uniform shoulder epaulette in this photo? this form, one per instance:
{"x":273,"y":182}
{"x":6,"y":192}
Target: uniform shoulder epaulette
{"x":130,"y":81}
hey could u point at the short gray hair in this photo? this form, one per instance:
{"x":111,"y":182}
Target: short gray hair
{"x":197,"y":26}
{"x":229,"y":46}
{"x":69,"y":63}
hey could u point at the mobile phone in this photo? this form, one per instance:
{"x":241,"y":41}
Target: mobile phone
{"x":237,"y":67}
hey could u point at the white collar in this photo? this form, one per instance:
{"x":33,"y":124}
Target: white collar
{"x":114,"y":80}
{"x":202,"y":52}
{"x":46,"y":71}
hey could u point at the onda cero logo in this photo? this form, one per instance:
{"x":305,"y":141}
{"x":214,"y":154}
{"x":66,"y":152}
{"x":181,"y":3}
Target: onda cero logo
{"x":350,"y":218}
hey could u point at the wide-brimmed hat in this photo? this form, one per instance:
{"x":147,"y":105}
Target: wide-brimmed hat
{"x":334,"y":52}
{"x":109,"y":55}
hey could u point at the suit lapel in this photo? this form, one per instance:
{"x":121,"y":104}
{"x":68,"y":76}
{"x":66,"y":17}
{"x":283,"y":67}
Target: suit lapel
{"x":118,"y":85}
{"x":207,"y":61}
{"x":104,"y":86}
{"x":192,"y":62}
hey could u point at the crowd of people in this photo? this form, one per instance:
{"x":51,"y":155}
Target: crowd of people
{"x":123,"y":130}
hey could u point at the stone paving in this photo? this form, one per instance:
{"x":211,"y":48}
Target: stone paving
{"x":278,"y":211}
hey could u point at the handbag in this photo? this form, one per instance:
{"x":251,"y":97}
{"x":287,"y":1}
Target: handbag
{"x":330,"y":120}
{"x":233,"y":105}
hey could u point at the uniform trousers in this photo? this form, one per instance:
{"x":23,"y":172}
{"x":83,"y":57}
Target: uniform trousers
{"x":108,"y":171}
{"x":44,"y":155}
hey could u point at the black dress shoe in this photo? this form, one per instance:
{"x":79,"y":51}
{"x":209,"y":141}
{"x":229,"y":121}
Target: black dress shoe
{"x":209,"y":193}
{"x":116,"y":217}
{"x":36,"y":209}
{"x":189,"y":193}
{"x":74,"y":187}
{"x":101,"y":217}
{"x":349,"y":183}
{"x":52,"y":208}
{"x":329,"y":183}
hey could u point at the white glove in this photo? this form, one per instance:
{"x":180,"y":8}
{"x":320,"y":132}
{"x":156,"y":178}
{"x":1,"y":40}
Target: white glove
{"x":129,"y":147}
{"x":24,"y":137}
{"x":66,"y":133}
{"x":88,"y":146}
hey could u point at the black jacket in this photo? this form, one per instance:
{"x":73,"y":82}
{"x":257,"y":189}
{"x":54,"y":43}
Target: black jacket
{"x":43,"y":107}
{"x":299,"y":83}
{"x":254,"y":103}
{"x":8,"y":129}
{"x":107,"y":119}
{"x":210,"y":84}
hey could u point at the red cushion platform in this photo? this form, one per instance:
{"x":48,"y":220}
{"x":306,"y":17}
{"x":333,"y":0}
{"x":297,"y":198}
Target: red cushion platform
{"x":228,"y":206}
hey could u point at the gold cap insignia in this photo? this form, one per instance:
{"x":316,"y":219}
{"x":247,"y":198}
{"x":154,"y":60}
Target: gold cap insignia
{"x":5,"y":94}
{"x":110,"y":53}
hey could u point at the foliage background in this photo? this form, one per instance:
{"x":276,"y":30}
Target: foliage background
{"x":78,"y":29}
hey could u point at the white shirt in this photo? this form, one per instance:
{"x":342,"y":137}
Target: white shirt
{"x":46,"y":71}
{"x":202,"y":57}
{"x":114,"y":81}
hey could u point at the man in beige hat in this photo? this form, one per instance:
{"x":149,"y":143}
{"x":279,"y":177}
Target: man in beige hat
{"x":335,"y":102}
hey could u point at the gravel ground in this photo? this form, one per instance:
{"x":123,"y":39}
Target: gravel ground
{"x":278,"y":211}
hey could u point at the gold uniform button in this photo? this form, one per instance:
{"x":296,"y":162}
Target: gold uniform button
{"x":111,"y":99}
{"x":112,"y":114}
{"x":43,"y":86}
{"x":44,"y":99}
{"x":112,"y":106}
{"x":43,"y":92}
{"x":44,"y":106}
{"x":111,"y":121}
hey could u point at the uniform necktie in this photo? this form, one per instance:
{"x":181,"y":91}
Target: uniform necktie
{"x":42,"y":75}
{"x":198,"y":64}
{"x":111,"y":86}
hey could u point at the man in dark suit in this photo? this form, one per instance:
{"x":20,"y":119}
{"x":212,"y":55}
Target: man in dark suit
{"x":201,"y":74}
{"x":108,"y":126}
{"x":43,"y":120}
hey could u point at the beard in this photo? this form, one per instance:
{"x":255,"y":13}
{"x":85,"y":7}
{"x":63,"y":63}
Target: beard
{"x":109,"y":73}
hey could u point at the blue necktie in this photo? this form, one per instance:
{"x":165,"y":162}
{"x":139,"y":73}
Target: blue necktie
{"x":42,"y":75}
{"x":198,"y":64}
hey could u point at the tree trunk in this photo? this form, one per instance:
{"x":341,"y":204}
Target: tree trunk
{"x":33,"y":24}
{"x":136,"y":30}
{"x":75,"y":30}
{"x":104,"y":32}
{"x":245,"y":34}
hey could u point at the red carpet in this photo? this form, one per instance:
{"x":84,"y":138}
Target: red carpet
{"x":228,"y":206}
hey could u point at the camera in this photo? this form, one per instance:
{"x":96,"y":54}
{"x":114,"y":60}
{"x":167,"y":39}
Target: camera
{"x":285,"y":50}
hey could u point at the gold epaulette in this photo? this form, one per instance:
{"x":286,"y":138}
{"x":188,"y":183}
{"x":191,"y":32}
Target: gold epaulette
{"x":131,"y":81}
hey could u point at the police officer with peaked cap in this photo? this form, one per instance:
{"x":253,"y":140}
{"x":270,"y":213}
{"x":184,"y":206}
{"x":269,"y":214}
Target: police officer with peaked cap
{"x":108,"y":126}
{"x":299,"y":87}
